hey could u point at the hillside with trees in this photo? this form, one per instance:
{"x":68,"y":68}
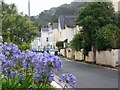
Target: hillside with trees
{"x":52,"y":14}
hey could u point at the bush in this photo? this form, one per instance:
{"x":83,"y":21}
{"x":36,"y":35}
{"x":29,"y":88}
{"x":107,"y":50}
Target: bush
{"x":24,"y":46}
{"x":59,"y":44}
{"x":112,"y":34}
{"x":76,"y":42}
{"x":108,"y":37}
{"x":27,"y":69}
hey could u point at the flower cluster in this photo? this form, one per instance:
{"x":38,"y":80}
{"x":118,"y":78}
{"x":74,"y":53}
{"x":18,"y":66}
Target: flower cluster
{"x":40,"y":65}
{"x":24,"y":64}
{"x":9,"y":56}
{"x":68,"y":80}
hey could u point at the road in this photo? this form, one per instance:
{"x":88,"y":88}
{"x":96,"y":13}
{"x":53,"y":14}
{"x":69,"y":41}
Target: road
{"x":90,"y":76}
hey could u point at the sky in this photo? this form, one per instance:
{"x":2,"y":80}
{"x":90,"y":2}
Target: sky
{"x":36,"y":6}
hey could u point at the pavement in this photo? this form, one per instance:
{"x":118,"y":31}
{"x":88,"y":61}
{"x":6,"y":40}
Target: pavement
{"x":90,"y":76}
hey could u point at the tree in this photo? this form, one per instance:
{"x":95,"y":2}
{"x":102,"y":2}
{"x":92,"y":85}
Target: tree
{"x":76,"y":42}
{"x":92,"y":17}
{"x":108,"y":37}
{"x":112,"y":34}
{"x":16,"y":28}
{"x":101,"y":42}
{"x":59,"y":44}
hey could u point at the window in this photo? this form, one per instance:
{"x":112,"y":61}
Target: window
{"x":47,"y":39}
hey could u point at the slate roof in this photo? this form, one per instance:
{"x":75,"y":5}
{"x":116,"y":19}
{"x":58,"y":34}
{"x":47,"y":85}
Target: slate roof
{"x":62,"y":21}
{"x":44,"y":29}
{"x":70,"y":21}
{"x":54,"y":25}
{"x":67,"y":20}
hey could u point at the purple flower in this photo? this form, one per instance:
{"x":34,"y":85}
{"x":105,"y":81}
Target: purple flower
{"x":24,"y":65}
{"x":22,"y":77}
{"x":41,"y":65}
{"x":68,"y":80}
{"x":12,"y":74}
{"x":9,"y":55}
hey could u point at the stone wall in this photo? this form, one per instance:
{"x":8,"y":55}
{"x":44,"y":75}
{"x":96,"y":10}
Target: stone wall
{"x":79,"y":55}
{"x":89,"y":58}
{"x":108,"y":57}
{"x":62,"y":51}
{"x":70,"y":53}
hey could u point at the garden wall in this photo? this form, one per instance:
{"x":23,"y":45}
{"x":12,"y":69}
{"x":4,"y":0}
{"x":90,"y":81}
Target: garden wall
{"x":62,"y":51}
{"x":89,"y":58}
{"x":79,"y":55}
{"x":108,"y":57}
{"x":70,"y":53}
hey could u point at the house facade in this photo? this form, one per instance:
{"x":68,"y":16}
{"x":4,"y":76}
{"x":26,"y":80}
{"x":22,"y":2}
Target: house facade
{"x":116,"y":5}
{"x":67,"y":27}
{"x":53,"y":35}
{"x":45,"y":37}
{"x":36,"y":44}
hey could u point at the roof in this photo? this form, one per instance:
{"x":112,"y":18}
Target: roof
{"x":54,"y":25}
{"x":44,"y":29}
{"x":62,"y":21}
{"x":70,"y":21}
{"x":67,"y":20}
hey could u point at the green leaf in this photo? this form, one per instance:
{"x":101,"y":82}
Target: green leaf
{"x":27,"y":82}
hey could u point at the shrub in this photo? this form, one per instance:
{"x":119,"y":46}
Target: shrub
{"x":76,"y":42}
{"x":59,"y":45}
{"x":27,"y":69}
{"x":24,"y":69}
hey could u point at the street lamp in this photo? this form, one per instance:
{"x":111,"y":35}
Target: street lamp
{"x":29,"y":8}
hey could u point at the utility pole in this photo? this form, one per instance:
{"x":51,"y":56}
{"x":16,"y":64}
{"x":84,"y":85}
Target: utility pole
{"x":29,"y":8}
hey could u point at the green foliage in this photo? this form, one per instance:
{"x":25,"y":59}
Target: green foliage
{"x":112,"y":34}
{"x":92,"y":18}
{"x":24,"y":46}
{"x":52,"y":14}
{"x":59,"y":44}
{"x":0,"y":82}
{"x":101,"y":42}
{"x":28,"y":83}
{"x":108,"y":37}
{"x":117,"y":16}
{"x":8,"y":83}
{"x":36,"y":23}
{"x":16,"y":28}
{"x":76,"y":42}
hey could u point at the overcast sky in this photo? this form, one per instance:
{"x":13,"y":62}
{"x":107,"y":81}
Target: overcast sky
{"x":37,"y":6}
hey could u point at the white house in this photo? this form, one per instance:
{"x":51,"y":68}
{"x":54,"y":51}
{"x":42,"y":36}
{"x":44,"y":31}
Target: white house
{"x":45,"y":37}
{"x":53,"y":35}
{"x":36,"y":44}
{"x":67,"y":27}
{"x":116,"y":5}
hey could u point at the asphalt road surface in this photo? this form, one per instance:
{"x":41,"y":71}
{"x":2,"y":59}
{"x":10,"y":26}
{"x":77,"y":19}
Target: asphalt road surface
{"x":90,"y":76}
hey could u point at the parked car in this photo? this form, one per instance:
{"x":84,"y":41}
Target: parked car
{"x":53,"y":51}
{"x":60,"y":54}
{"x":40,"y":50}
